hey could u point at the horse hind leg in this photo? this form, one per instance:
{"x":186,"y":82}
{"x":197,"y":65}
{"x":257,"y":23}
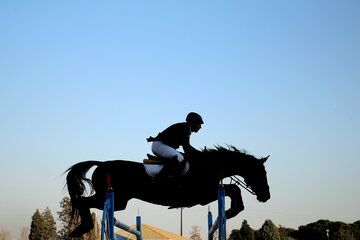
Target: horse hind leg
{"x":86,"y":222}
{"x":96,"y":201}
{"x":120,"y":200}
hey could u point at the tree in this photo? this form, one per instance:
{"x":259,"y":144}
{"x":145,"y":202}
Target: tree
{"x":5,"y":234}
{"x":325,"y":229}
{"x":246,"y":233}
{"x":24,"y":233}
{"x":285,"y":233}
{"x":341,"y":231}
{"x":49,"y":229}
{"x":314,"y":231}
{"x":320,"y":230}
{"x":195,"y":233}
{"x":268,"y":231}
{"x":235,"y":235}
{"x":43,"y":226}
{"x":64,"y":217}
{"x":36,"y":226}
{"x":356,"y":229}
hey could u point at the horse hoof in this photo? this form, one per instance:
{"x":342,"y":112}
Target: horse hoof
{"x":81,"y":230}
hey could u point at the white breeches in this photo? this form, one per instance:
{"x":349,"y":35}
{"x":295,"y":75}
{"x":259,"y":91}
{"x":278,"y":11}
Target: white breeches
{"x":162,"y":150}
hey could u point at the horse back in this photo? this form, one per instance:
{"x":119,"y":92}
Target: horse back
{"x":120,"y":172}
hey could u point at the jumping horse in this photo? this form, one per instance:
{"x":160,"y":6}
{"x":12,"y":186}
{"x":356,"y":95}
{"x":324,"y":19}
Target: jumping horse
{"x":198,"y":186}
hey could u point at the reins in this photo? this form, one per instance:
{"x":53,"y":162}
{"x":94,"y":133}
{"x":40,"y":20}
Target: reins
{"x":241,"y":183}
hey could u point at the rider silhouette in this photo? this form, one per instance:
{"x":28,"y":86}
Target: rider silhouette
{"x":166,"y":142}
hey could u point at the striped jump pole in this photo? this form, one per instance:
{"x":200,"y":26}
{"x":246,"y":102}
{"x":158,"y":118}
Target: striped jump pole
{"x":220,"y":222}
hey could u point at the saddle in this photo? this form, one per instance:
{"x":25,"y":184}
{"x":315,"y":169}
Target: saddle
{"x":155,"y":165}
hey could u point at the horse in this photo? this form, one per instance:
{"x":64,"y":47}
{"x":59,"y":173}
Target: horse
{"x":199,"y":185}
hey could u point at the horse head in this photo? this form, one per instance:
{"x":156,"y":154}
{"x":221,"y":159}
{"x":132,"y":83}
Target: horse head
{"x":256,"y":179}
{"x":232,"y":162}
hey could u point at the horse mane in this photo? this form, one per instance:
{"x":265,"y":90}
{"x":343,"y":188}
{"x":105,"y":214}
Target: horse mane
{"x":228,"y":152}
{"x":224,"y":150}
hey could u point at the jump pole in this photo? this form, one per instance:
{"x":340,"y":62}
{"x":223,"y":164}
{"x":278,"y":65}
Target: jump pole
{"x":108,"y":221}
{"x":220,"y":222}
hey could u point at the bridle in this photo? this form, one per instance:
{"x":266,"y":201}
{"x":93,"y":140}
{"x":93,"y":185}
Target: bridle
{"x":241,"y":183}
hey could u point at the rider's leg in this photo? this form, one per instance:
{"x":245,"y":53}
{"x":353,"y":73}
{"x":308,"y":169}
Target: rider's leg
{"x":173,"y":159}
{"x":162,"y":150}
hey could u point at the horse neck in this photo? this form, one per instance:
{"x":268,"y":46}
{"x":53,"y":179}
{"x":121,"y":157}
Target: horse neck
{"x":219,"y":165}
{"x":233,"y":167}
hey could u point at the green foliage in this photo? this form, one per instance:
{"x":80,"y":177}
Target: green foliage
{"x":36,"y":226}
{"x":268,"y":231}
{"x":246,"y":232}
{"x":315,"y":231}
{"x":43,"y":226}
{"x":49,"y":228}
{"x":340,"y":231}
{"x":325,"y":229}
{"x":320,"y":230}
{"x":235,"y":235}
{"x":356,"y":229}
{"x":285,"y":233}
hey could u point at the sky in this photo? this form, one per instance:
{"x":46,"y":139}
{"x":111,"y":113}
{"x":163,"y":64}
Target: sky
{"x":90,"y":80}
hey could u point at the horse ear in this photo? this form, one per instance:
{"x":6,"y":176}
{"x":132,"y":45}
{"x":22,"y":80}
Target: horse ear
{"x":263,"y":160}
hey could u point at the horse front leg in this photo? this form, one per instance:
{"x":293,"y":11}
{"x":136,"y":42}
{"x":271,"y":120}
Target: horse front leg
{"x":236,"y":205}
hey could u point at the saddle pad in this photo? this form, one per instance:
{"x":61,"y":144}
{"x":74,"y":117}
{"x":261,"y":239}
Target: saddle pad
{"x":153,"y":169}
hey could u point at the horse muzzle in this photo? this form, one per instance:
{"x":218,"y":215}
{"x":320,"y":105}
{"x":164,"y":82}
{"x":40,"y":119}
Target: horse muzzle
{"x":263,"y":198}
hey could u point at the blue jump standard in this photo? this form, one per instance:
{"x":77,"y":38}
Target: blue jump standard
{"x":220,"y":222}
{"x":108,"y":222}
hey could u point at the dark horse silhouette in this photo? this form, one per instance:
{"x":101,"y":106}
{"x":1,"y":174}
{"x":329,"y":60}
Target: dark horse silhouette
{"x":199,"y":186}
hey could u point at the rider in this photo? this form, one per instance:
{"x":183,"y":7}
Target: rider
{"x":166,"y":142}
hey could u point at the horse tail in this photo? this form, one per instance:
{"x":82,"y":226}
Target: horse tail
{"x":75,"y":181}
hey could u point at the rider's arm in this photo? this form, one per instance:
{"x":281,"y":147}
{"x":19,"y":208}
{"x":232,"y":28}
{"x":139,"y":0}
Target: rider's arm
{"x":187,"y":147}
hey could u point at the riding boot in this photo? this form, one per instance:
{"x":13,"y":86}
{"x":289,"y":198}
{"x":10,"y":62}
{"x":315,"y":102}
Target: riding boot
{"x":170,"y":166}
{"x":162,"y":175}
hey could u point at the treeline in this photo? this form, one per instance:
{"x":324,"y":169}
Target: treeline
{"x":320,"y":230}
{"x":43,"y":227}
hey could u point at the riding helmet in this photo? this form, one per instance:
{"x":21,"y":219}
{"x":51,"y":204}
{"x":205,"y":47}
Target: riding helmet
{"x":194,"y":118}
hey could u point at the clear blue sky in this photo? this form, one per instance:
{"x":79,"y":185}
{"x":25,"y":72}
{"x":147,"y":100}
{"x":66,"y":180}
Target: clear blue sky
{"x":84,"y":80}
